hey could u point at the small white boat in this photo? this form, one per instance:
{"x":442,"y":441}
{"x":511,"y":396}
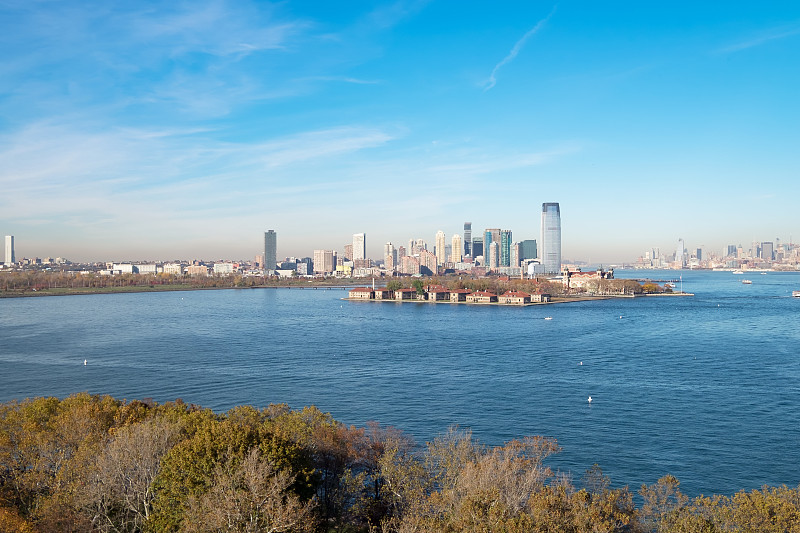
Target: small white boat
{"x":738,"y":272}
{"x":747,"y":282}
{"x":548,"y":318}
{"x":796,"y":294}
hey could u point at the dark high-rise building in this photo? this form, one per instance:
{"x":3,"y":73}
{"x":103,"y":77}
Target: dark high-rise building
{"x":468,"y":238}
{"x":527,"y":249}
{"x":551,"y":238}
{"x":477,"y":247}
{"x":270,"y":249}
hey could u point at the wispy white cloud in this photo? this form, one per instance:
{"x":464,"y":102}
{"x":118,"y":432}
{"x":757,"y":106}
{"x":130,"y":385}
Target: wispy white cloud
{"x":389,"y":15}
{"x":342,"y":79}
{"x":773,"y":34}
{"x":492,"y":81}
{"x":60,"y":169}
{"x":481,"y":166}
{"x":214,"y":27}
{"x":319,"y":144}
{"x":205,"y":58}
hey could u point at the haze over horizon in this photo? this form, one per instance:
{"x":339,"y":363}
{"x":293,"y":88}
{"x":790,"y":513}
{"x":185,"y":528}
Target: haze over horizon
{"x":185,"y":130}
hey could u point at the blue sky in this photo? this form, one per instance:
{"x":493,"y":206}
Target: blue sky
{"x":157,"y":130}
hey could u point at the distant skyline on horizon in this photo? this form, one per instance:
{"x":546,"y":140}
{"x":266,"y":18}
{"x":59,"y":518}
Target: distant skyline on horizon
{"x":156,"y":130}
{"x":378,"y":255}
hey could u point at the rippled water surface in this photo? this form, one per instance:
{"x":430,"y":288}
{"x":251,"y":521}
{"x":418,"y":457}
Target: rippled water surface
{"x":704,"y":387}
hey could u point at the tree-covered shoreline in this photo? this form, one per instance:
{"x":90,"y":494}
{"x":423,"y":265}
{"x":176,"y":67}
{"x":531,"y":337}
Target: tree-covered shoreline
{"x":36,"y":283}
{"x":95,"y":463}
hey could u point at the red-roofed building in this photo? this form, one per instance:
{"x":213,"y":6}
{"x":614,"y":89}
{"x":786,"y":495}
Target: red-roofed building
{"x":362,"y":293}
{"x":383,"y":294}
{"x":405,"y":294}
{"x":482,"y":297}
{"x":459,"y":295}
{"x":437,"y":293}
{"x":514,"y":298}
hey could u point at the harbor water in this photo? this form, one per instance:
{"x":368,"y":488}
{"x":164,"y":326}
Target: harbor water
{"x":704,"y":387}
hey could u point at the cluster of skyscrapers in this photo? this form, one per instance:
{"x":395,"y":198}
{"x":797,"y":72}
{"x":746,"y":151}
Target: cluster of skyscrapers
{"x":761,"y":255}
{"x":494,"y":250}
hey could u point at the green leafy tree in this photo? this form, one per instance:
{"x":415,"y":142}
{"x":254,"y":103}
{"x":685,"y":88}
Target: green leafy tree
{"x":419,"y":286}
{"x":394,"y":285}
{"x":249,"y":495}
{"x":187,"y":471}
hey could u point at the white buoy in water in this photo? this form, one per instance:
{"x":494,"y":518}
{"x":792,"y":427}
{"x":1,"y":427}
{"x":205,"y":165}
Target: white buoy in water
{"x":84,"y":362}
{"x":590,"y":399}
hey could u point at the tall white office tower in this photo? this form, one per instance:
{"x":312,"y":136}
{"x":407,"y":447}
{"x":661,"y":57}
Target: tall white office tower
{"x":10,"y":259}
{"x":680,"y":254}
{"x":455,"y":249}
{"x":494,"y":255}
{"x":359,"y":246}
{"x":389,"y":256}
{"x":441,"y":257}
{"x":551,"y":238}
{"x":270,"y":250}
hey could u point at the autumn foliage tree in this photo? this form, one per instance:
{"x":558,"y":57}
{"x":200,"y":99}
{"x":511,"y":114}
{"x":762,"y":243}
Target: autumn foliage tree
{"x":94,"y":463}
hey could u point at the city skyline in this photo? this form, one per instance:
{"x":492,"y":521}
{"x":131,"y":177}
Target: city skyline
{"x":155,"y":129}
{"x":529,"y":249}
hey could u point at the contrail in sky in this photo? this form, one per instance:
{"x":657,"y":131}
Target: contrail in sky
{"x":514,"y":51}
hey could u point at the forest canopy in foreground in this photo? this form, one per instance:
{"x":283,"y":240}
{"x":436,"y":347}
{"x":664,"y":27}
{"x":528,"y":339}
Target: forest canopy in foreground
{"x":94,"y":463}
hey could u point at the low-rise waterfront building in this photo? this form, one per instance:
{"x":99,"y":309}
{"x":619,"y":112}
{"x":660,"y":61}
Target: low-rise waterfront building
{"x":459,"y":295}
{"x":383,"y":294}
{"x":514,"y":298}
{"x":362,"y":293}
{"x":405,"y":294}
{"x":125,"y":268}
{"x":148,"y":269}
{"x":197,"y":270}
{"x":173,"y":268}
{"x":437,"y":293}
{"x":482,"y":297}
